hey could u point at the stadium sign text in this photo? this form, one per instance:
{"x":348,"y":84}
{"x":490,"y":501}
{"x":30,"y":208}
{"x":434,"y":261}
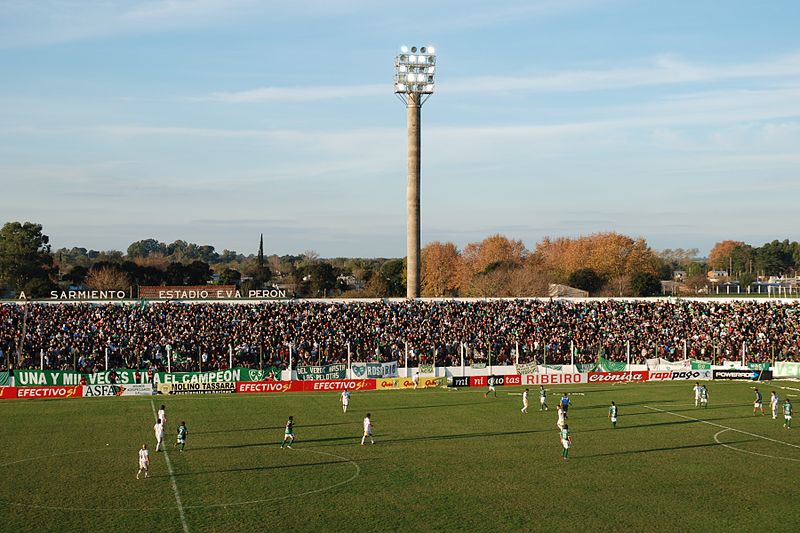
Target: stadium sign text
{"x":88,"y":295}
{"x":617,"y":377}
{"x":195,"y":387}
{"x":553,"y":379}
{"x":49,"y":392}
{"x":268,"y":386}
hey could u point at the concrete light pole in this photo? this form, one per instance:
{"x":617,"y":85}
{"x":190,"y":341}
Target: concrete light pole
{"x":414,"y":71}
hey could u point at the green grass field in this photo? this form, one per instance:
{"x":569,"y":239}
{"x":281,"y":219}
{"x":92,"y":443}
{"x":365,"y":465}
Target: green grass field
{"x":443,"y":460}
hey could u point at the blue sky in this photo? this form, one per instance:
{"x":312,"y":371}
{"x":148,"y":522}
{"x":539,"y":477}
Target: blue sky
{"x":216,"y":120}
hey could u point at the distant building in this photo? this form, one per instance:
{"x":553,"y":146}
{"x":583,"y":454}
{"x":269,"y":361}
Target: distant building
{"x":716,"y":275}
{"x":679,"y":275}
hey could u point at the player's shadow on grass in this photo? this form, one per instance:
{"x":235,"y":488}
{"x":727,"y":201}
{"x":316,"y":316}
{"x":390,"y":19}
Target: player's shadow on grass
{"x":271,"y":443}
{"x":271,"y":428}
{"x":426,"y":406}
{"x":479,"y":435}
{"x":264,"y":468}
{"x":664,"y":449}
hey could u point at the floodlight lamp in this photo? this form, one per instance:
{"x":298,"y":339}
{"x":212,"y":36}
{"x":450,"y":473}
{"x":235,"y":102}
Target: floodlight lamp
{"x":431,"y":50}
{"x":403,"y":58}
{"x":401,"y":68}
{"x":401,"y":87}
{"x":429,"y":88}
{"x":404,"y":49}
{"x":431,"y":70}
{"x":412,"y":59}
{"x":423,"y":49}
{"x":413,"y":49}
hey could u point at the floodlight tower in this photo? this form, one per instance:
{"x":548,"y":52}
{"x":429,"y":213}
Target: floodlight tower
{"x":414,"y":70}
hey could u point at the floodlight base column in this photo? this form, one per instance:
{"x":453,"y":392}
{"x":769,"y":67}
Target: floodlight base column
{"x":414,"y":107}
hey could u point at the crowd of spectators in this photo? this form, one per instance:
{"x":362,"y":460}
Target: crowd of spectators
{"x":202,"y":336}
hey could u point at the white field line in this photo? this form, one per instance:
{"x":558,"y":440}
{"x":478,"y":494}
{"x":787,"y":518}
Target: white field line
{"x":720,"y":432}
{"x":172,"y":480}
{"x":721,"y":426}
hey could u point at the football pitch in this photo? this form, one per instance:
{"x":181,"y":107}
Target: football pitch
{"x":444,"y":460}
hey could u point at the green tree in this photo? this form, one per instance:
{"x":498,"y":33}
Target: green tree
{"x":25,"y":260}
{"x":586,"y":279}
{"x":645,"y":284}
{"x":230,"y":276}
{"x":394,"y":272}
{"x":321,"y":278}
{"x":146,"y":247}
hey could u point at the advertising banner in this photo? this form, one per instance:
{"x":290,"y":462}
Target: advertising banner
{"x":7,"y":393}
{"x":429,"y":383}
{"x":483,"y":381}
{"x":526,"y":368}
{"x":327,"y":372}
{"x":554,"y":379}
{"x":338,"y":385}
{"x":374,"y":370}
{"x":197,"y":387}
{"x":138,"y":389}
{"x":216,"y":376}
{"x":786,"y":370}
{"x":50,"y":392}
{"x":394,"y":383}
{"x":99,"y":391}
{"x":461,"y":381}
{"x":752,"y":375}
{"x":680,"y":375}
{"x":618,"y":377}
{"x":268,"y":386}
{"x":511,"y":380}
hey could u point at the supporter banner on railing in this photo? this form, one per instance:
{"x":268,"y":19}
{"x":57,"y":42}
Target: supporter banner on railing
{"x":526,"y":368}
{"x":270,"y":373}
{"x":326,"y":372}
{"x":197,"y":387}
{"x":5,"y":380}
{"x":787,"y":370}
{"x":216,"y":376}
{"x":700,"y":365}
{"x":69,"y":377}
{"x":605,"y":365}
{"x":428,"y":369}
{"x":758,"y":366}
{"x":374,"y":370}
{"x":50,"y":392}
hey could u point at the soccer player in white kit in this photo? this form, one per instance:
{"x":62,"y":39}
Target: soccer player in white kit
{"x":773,"y":403}
{"x":415,"y":380}
{"x":562,"y":417}
{"x":697,"y":388}
{"x":144,"y":461}
{"x":345,"y":400}
{"x":162,"y":415}
{"x":158,"y":429}
{"x":524,"y":401}
{"x":367,"y":429}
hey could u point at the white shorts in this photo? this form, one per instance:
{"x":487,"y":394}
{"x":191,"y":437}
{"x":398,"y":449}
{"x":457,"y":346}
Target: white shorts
{"x":614,"y":419}
{"x":758,"y":404}
{"x":491,"y":388}
{"x":525,"y":403}
{"x":542,"y":400}
{"x":345,"y":403}
{"x":787,"y":417}
{"x":143,"y":465}
{"x":565,"y":444}
{"x":368,"y":433}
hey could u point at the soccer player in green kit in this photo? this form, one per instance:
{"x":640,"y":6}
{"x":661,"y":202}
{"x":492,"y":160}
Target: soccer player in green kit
{"x":566,"y":442}
{"x":787,"y":414}
{"x":183,"y":432}
{"x":612,"y":414}
{"x":288,"y":434}
{"x":542,"y":398}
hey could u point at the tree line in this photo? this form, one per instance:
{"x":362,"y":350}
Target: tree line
{"x":604,"y":264}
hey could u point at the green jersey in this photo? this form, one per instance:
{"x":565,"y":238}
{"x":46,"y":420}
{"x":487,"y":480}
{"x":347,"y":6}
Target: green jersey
{"x":704,"y":393}
{"x":542,"y":393}
{"x":612,"y":411}
{"x":182,"y":432}
{"x":787,"y":409}
{"x":289,"y":428}
{"x":564,"y":434}
{"x":491,"y":381}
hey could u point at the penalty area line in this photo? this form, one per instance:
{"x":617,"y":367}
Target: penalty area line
{"x":721,"y":426}
{"x":172,"y":481}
